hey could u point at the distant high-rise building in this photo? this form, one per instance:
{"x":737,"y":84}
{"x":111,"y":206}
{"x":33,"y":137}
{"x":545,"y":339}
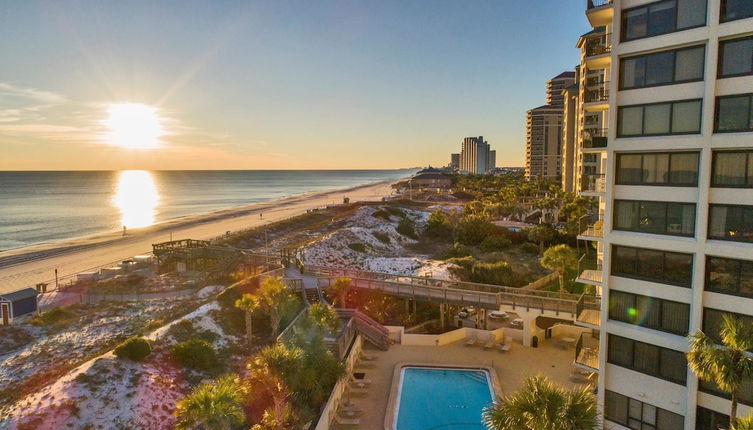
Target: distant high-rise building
{"x":455,"y":161}
{"x":544,"y":131}
{"x":476,"y":156}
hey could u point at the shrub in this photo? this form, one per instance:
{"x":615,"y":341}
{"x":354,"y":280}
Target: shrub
{"x":407,"y":228}
{"x":54,"y":318}
{"x":439,"y":224}
{"x":498,"y":273}
{"x":381,"y":213}
{"x":529,"y":248}
{"x":495,"y":242}
{"x":134,"y":348}
{"x":358,"y":247}
{"x":456,"y":251}
{"x":195,"y":354}
{"x":184,"y":330}
{"x":464,"y":262}
{"x":381,"y":236}
{"x":473,"y":229}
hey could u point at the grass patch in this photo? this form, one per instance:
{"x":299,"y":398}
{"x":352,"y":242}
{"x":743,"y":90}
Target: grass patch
{"x":55,"y":318}
{"x":381,"y":236}
{"x":407,"y":228}
{"x":358,"y":247}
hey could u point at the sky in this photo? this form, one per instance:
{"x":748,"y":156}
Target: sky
{"x":276,"y":84}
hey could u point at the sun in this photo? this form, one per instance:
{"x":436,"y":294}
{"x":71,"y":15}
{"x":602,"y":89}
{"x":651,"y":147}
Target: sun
{"x":134,"y":126}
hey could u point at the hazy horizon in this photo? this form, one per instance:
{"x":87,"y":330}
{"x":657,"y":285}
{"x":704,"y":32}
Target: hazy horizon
{"x":273,"y":86}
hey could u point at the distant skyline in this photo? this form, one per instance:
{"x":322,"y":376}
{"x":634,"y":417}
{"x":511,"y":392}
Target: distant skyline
{"x":273,"y":85}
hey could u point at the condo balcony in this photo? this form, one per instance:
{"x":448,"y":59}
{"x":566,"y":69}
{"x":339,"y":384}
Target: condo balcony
{"x":599,"y":94}
{"x":589,"y":271}
{"x":599,"y":12}
{"x":594,"y":138}
{"x":587,"y":352}
{"x":598,"y":49}
{"x":594,"y":183}
{"x":588,"y":311}
{"x":593,"y":231}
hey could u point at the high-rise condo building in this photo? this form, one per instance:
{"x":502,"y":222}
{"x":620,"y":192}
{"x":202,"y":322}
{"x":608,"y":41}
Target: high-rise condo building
{"x":476,"y":156}
{"x":544,"y":131}
{"x":666,"y":105}
{"x":455,"y":161}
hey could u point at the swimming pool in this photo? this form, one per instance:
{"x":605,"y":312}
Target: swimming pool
{"x":442,"y":398}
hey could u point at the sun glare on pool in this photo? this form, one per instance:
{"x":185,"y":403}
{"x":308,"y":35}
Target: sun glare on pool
{"x":134,"y":126}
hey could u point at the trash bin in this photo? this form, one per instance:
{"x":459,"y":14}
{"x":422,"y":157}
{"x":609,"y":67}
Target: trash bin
{"x":535,"y":342}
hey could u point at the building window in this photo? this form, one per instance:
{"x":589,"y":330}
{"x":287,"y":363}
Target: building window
{"x":650,"y":359}
{"x":735,"y":9}
{"x":729,"y":276}
{"x":733,"y":114}
{"x":638,"y":415}
{"x":735,"y":57}
{"x":732,"y":169}
{"x":658,"y":119}
{"x":679,"y":169}
{"x":712,"y":323}
{"x":671,"y":218}
{"x":652,"y":265}
{"x":706,"y":419}
{"x":731,"y":222}
{"x":662,"y":68}
{"x":662,"y":17}
{"x":650,"y":312}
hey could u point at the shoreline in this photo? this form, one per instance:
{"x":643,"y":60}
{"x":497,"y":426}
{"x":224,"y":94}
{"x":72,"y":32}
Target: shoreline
{"x":24,"y":267}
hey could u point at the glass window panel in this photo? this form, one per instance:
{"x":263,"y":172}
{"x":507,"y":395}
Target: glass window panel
{"x":616,"y":407}
{"x":647,"y":312}
{"x":635,"y":23}
{"x":661,"y":18}
{"x":712,"y":323}
{"x":649,"y":414}
{"x":659,"y":68}
{"x":620,"y":351}
{"x":656,"y":119}
{"x":619,"y":305}
{"x":633,"y":70}
{"x":626,"y":215}
{"x":646,"y":358}
{"x":655,"y":168}
{"x":689,"y":64}
{"x":631,"y":121}
{"x":634,"y":410}
{"x":749,"y":181}
{"x":691,"y":13}
{"x":652,"y":217}
{"x":736,"y":9}
{"x":669,"y":421}
{"x":629,"y":169}
{"x":650,"y":264}
{"x":684,"y":168}
{"x":686,"y":117}
{"x":679,"y":268}
{"x":718,"y":222}
{"x":746,"y":278}
{"x":675,"y":317}
{"x":732,"y":113}
{"x":681,"y":219}
{"x":674,"y":366}
{"x":729,"y":168}
{"x":624,"y":260}
{"x":737,"y":57}
{"x":723,"y":274}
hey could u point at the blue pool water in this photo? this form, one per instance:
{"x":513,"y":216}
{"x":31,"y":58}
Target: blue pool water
{"x":447,"y":399}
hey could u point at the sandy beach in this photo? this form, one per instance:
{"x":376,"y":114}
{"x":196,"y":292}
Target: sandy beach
{"x":28,"y":266}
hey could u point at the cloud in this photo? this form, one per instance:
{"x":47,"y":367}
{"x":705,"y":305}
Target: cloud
{"x":40,"y":96}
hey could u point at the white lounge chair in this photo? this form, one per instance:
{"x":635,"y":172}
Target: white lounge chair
{"x":507,"y":346}
{"x":364,"y":381}
{"x":347,"y":421}
{"x":368,"y":357}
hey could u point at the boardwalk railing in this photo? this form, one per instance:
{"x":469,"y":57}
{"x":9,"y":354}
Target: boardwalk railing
{"x":460,"y":293}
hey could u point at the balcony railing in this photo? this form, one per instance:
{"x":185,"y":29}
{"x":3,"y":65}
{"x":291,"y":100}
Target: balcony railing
{"x":594,"y":230}
{"x":587,"y":351}
{"x":588,"y":310}
{"x":593,"y":183}
{"x":600,"y":94}
{"x":595,"y":138}
{"x":599,"y":45}
{"x":589,"y":271}
{"x":592,"y":4}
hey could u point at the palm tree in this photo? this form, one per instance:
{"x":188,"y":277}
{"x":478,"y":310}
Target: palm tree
{"x":212,"y":405}
{"x":276,"y":300}
{"x":266,"y":377}
{"x":323,"y":317}
{"x":727,"y":364}
{"x":541,"y":405}
{"x":744,"y":423}
{"x":249,"y":304}
{"x":540,"y":234}
{"x":559,"y":258}
{"x":339,"y":291}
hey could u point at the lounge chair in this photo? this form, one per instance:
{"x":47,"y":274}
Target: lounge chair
{"x":365,"y":364}
{"x":360,"y":380}
{"x":471,"y":341}
{"x":347,"y":421}
{"x":506,"y":347}
{"x":368,"y":357}
{"x":490,"y":343}
{"x":349,"y":411}
{"x":357,"y":391}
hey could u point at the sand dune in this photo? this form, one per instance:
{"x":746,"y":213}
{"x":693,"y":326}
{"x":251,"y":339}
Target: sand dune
{"x":26,"y":267}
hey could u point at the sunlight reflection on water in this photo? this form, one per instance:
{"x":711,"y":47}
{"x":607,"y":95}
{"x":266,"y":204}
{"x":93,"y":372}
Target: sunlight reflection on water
{"x":136,"y":198}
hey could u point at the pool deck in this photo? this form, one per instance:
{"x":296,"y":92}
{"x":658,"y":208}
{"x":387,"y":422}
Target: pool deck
{"x":511,"y":368}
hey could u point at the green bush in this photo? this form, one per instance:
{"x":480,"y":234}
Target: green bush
{"x":134,"y":348}
{"x":439,"y":225}
{"x":457,"y":250}
{"x":464,"y":262}
{"x":498,"y":273}
{"x":381,"y":236}
{"x":529,"y":248}
{"x":358,"y":247}
{"x":407,"y":228}
{"x":381,"y":213}
{"x":195,"y":354}
{"x":473,"y":229}
{"x":184,"y":330}
{"x":496,"y":242}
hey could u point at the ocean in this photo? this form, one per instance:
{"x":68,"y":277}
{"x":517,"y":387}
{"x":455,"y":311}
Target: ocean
{"x":42,"y":207}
